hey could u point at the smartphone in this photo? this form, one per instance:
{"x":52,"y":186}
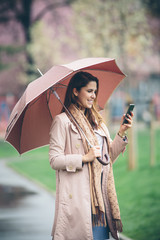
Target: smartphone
{"x":130,"y":109}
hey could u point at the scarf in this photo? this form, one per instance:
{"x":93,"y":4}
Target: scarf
{"x":95,"y":171}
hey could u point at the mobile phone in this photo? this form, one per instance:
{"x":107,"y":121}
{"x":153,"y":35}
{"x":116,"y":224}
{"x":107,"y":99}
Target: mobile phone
{"x":130,"y":109}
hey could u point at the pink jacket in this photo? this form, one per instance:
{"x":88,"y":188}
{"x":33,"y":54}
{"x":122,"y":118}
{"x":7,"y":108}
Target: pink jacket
{"x":72,"y":219}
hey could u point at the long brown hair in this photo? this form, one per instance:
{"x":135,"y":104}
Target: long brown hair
{"x":79,"y":80}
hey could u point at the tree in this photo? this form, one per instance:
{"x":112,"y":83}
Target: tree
{"x":153,"y":7}
{"x":153,"y":12}
{"x":113,"y":28}
{"x":22,"y":12}
{"x":45,"y":50}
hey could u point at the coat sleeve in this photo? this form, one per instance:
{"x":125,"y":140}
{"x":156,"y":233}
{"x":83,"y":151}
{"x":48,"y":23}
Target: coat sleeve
{"x":57,"y":157}
{"x":116,"y":146}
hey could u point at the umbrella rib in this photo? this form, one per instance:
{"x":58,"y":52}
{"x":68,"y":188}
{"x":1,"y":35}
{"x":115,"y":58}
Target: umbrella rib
{"x":48,"y":102}
{"x":10,"y":124}
{"x":33,"y":102}
{"x":63,"y":85}
{"x":21,"y":128}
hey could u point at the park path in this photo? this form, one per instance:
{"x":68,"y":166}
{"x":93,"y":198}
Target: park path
{"x":26,"y":210}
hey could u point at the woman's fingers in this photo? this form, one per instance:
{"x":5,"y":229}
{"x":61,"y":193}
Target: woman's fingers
{"x":130,"y":120}
{"x":97,"y":151}
{"x":132,"y":114}
{"x":123,"y":117}
{"x":93,"y":153}
{"x":125,"y":126}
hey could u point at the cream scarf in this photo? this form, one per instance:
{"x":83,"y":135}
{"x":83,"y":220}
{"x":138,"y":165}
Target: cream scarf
{"x":95,"y":169}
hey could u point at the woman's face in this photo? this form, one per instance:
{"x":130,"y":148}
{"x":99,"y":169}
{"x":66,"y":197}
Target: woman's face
{"x":87,"y":95}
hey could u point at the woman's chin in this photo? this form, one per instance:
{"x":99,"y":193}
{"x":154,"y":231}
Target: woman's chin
{"x":89,"y":106}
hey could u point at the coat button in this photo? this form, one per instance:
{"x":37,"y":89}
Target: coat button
{"x":77,"y":145}
{"x":70,"y":167}
{"x":70,"y":196}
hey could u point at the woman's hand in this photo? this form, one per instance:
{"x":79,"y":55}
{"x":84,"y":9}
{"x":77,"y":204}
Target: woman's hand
{"x":93,"y":153}
{"x":125,"y":126}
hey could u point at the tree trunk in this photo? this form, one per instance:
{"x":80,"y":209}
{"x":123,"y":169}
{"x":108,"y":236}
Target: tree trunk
{"x":26,"y":23}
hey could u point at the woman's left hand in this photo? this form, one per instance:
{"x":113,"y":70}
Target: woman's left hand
{"x":125,"y":126}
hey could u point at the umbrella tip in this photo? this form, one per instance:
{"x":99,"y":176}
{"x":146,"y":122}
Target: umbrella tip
{"x":40,"y":71}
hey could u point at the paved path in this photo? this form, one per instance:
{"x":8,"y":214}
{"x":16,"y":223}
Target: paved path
{"x":27,"y":213}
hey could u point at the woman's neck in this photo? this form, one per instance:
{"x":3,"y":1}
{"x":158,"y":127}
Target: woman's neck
{"x":80,"y":107}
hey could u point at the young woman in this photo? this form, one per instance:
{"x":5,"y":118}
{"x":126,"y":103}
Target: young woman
{"x":86,"y":203}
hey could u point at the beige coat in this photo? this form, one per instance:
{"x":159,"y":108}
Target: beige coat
{"x":72,"y":219}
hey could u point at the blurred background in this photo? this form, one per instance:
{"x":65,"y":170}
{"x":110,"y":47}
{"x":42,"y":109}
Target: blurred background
{"x":39,"y":34}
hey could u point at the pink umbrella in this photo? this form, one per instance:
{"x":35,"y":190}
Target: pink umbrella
{"x":31,"y":118}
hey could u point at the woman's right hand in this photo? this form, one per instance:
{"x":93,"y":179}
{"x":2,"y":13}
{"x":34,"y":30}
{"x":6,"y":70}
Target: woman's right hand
{"x":93,"y":153}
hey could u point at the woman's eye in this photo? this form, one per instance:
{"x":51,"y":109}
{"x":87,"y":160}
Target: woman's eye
{"x":90,"y":91}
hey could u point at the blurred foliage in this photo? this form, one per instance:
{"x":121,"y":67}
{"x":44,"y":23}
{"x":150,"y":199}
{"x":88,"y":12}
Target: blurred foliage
{"x":10,"y":49}
{"x":153,"y":7}
{"x":112,"y":28}
{"x":4,"y":66}
{"x":43,"y":48}
{"x":21,"y":12}
{"x":116,"y":29}
{"x":26,"y":14}
{"x":6,"y":52}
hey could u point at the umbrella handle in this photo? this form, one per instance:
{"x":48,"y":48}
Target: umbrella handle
{"x":102,"y":162}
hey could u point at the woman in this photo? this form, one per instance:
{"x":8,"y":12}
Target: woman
{"x":86,"y":204}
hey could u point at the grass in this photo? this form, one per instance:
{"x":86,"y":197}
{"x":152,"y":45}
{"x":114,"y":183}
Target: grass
{"x":6,"y":150}
{"x":34,"y":165}
{"x":138,"y":191}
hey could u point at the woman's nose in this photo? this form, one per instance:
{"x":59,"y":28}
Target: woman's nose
{"x":93,"y":95}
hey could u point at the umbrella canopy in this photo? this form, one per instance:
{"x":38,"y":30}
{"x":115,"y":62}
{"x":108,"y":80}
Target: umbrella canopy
{"x":31,"y":118}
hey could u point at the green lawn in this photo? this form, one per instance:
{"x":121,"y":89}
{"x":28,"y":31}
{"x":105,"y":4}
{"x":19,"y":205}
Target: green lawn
{"x":6,"y":150}
{"x":34,"y":165}
{"x":138,"y":191}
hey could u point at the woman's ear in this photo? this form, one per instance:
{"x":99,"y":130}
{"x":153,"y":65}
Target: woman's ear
{"x":75,"y":92}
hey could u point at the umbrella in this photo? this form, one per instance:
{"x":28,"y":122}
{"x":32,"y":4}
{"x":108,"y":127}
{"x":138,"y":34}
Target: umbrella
{"x":31,"y":118}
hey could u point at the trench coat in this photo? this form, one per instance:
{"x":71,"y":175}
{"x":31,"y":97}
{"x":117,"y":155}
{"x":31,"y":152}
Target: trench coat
{"x":72,"y":220}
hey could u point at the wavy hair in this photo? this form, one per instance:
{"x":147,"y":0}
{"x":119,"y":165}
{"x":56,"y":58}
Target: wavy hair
{"x":79,"y":80}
